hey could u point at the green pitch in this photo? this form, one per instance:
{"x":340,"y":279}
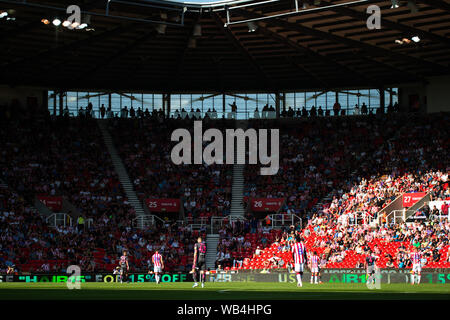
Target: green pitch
{"x":218,"y":291}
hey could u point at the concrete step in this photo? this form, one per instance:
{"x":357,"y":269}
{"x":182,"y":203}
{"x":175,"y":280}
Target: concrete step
{"x":121,"y":171}
{"x":212,"y":240}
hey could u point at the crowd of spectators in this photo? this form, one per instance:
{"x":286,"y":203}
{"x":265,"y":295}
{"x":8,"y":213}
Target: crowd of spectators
{"x":145,"y":147}
{"x":360,"y":164}
{"x":28,"y":243}
{"x":62,"y":157}
{"x":325,"y":158}
{"x":343,"y":240}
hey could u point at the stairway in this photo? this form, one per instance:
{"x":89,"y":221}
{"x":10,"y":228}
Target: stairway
{"x":124,"y":178}
{"x":212,"y":240}
{"x":237,"y":191}
{"x":36,"y":205}
{"x":237,"y":188}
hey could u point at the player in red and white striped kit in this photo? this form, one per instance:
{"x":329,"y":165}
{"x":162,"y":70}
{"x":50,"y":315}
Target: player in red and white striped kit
{"x":314,"y":267}
{"x":299,"y":254}
{"x":158,"y":265}
{"x":124,"y":267}
{"x":416,"y":258}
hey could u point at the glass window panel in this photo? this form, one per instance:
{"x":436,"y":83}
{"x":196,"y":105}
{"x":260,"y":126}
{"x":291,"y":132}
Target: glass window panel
{"x":343,"y":100}
{"x":364,"y":97}
{"x":147,"y":101}
{"x":126,"y":100}
{"x":310,"y":100}
{"x":115,"y":103}
{"x":104,"y":100}
{"x":208,"y":102}
{"x":331,"y":100}
{"x":300,"y":99}
{"x":241,"y":105}
{"x":93,"y":98}
{"x":218,"y":105}
{"x":251,"y":105}
{"x":387,"y":97}
{"x":374,"y":99}
{"x":185,"y":101}
{"x":394,"y":95}
{"x":353,"y":100}
{"x":228,"y":100}
{"x":72,"y":102}
{"x":51,"y":101}
{"x":290,"y":100}
{"x":83,"y":100}
{"x":263,"y":99}
{"x":272,"y":98}
{"x":175,"y":103}
{"x":321,"y":100}
{"x":197,"y":102}
{"x":157,"y":102}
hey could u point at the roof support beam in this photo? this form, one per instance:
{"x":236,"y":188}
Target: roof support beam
{"x":182,"y":57}
{"x":390,"y":24}
{"x":237,"y":44}
{"x":126,"y":49}
{"x":311,"y":53}
{"x":439,"y":4}
{"x":369,"y":50}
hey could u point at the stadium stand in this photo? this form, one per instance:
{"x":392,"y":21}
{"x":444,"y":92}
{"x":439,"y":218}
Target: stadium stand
{"x":359,"y":163}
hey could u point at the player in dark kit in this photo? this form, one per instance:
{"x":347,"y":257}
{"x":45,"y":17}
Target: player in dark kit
{"x":199,"y":262}
{"x":370,"y":267}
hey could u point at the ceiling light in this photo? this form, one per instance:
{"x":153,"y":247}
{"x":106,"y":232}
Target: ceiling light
{"x":192,"y":43}
{"x":415,"y":39}
{"x":56,"y":22}
{"x":45,"y":21}
{"x":412,"y":6}
{"x":252,"y":27}
{"x":3,"y":14}
{"x":197,"y":30}
{"x":161,"y":28}
{"x":66,"y":24}
{"x":394,"y":4}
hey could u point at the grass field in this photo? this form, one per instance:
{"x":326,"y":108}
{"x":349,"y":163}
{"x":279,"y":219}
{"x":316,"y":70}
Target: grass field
{"x":221,"y":291}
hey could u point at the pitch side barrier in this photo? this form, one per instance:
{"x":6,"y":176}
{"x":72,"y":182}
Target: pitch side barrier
{"x":387,"y":276}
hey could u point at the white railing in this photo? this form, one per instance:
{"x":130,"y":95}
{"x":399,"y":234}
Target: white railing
{"x":196,"y":226}
{"x":201,"y":221}
{"x":395,"y":216}
{"x":145,"y":221}
{"x":181,"y":223}
{"x":59,"y":219}
{"x":440,"y":217}
{"x":89,"y":222}
{"x":360,"y":218}
{"x":218,"y":222}
{"x":284,"y":220}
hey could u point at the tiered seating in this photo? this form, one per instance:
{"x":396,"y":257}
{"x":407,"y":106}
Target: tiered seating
{"x":323,"y":228}
{"x":145,"y":148}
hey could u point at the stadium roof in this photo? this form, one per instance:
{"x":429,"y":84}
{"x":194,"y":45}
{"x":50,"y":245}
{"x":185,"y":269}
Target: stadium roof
{"x":321,"y":46}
